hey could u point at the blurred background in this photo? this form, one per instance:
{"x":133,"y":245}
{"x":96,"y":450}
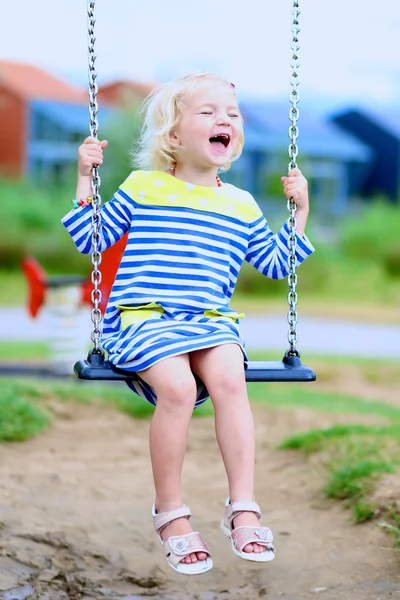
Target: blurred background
{"x":349,"y":146}
{"x":348,"y":291}
{"x":349,"y":139}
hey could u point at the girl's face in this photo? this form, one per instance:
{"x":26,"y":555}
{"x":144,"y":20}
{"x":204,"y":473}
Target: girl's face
{"x":210,"y":128}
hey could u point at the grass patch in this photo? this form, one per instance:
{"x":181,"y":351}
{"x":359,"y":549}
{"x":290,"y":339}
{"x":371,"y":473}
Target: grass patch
{"x":317,"y":439}
{"x":355,"y":457}
{"x":392,"y":525}
{"x":13,"y":351}
{"x":274,"y":395}
{"x":23,"y":405}
{"x":13,"y":292}
{"x":326,"y":360}
{"x":19,"y":418}
{"x":278,"y":395}
{"x":45,"y":392}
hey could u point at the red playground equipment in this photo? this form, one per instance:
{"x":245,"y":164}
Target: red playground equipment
{"x":62,"y":297}
{"x":38,"y":282}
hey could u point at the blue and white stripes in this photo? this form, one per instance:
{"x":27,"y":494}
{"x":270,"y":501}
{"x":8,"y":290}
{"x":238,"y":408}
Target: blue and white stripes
{"x":185,"y":247}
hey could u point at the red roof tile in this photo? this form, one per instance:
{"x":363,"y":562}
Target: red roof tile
{"x":29,"y":82}
{"x":122,"y":92}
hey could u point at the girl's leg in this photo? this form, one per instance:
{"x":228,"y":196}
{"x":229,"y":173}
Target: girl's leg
{"x":175,"y":388}
{"x":222,"y":370}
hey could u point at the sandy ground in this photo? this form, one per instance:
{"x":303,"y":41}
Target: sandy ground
{"x":75,"y":517}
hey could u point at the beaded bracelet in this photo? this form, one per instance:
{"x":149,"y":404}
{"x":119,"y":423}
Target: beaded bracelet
{"x":82,"y":202}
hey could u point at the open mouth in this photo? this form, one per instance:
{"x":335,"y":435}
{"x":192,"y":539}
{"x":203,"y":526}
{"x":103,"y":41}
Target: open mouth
{"x":220,"y":141}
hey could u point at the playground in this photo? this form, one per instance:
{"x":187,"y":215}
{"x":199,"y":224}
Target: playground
{"x":82,"y":458}
{"x":76,"y":498}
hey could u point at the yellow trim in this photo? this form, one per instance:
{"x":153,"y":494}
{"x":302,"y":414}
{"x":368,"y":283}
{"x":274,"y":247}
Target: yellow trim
{"x":134,"y":314}
{"x":156,"y":188}
{"x":212,"y":313}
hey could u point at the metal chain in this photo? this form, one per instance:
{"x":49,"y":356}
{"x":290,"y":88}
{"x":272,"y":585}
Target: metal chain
{"x":96,"y":214}
{"x":96,"y":198}
{"x":291,"y":205}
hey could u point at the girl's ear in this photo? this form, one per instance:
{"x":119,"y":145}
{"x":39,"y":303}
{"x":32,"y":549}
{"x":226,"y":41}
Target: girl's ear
{"x":174,"y":137}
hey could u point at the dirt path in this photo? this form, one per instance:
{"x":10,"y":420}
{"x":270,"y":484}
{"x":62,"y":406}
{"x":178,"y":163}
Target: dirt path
{"x":75,"y":518}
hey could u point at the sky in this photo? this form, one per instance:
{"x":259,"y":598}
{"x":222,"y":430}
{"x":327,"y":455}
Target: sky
{"x":348,"y":54}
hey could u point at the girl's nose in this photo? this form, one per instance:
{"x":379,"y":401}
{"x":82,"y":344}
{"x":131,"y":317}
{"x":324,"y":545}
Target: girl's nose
{"x":223,"y":119}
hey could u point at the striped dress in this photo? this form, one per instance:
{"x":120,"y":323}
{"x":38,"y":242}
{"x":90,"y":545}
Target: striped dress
{"x":186,"y":244}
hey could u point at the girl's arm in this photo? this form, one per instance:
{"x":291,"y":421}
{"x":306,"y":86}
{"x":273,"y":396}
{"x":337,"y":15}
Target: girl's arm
{"x":116,"y":215}
{"x":295,"y":187}
{"x":269,"y":252}
{"x":116,"y":219}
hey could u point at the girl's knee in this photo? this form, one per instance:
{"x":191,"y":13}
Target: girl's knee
{"x":178,"y":390}
{"x":228,"y":378}
{"x":231,"y":380}
{"x":222,"y":370}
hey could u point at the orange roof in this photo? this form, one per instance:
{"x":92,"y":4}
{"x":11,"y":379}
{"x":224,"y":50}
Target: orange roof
{"x":30,"y":82}
{"x":122,"y":92}
{"x":135,"y":86}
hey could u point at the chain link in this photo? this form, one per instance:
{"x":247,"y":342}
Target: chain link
{"x":96,"y":213}
{"x":293,"y":153}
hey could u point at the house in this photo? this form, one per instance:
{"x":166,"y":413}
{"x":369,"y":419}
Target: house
{"x":336,"y":163}
{"x":43,"y":118}
{"x":56,"y":129}
{"x":381,"y":133}
{"x":124,"y":93}
{"x":25,"y":91}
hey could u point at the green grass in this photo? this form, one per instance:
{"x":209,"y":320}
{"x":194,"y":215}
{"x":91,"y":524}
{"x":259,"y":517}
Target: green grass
{"x":13,"y":292}
{"x":25,"y":406}
{"x":316,"y":440}
{"x":42,"y":393}
{"x":392,"y":525}
{"x":274,"y":395}
{"x":20,"y":351}
{"x":20,"y":419}
{"x":326,"y":360}
{"x":278,"y":395}
{"x":355,"y":458}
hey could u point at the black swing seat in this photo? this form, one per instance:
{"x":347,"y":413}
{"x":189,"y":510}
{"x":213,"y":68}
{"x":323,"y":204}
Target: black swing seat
{"x":290,"y":368}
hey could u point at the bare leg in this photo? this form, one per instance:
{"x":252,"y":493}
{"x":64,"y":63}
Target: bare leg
{"x":221,"y":369}
{"x":175,"y":387}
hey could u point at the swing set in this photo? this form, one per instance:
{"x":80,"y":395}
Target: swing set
{"x":96,"y":367}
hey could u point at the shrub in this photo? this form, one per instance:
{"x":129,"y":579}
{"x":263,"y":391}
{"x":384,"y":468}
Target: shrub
{"x":391,"y":261}
{"x":372,"y":235}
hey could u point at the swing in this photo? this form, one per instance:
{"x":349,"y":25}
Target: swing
{"x":290,"y":368}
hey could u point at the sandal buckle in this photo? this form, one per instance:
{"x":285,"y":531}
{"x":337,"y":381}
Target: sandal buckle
{"x":180,"y":545}
{"x":264,"y":534}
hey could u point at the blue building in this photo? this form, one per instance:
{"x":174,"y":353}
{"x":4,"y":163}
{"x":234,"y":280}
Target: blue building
{"x":55,"y":131}
{"x":381,"y":133}
{"x":335,"y":162}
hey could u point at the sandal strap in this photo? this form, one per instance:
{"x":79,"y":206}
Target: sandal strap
{"x":236,"y":508}
{"x":177,"y":547}
{"x":161,"y":520}
{"x":244,"y":535}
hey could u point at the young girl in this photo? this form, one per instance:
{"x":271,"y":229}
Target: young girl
{"x":168,"y":316}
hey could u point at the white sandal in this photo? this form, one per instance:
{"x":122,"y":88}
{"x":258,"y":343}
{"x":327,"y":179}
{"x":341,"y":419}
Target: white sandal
{"x":241,"y":536}
{"x":177,"y":547}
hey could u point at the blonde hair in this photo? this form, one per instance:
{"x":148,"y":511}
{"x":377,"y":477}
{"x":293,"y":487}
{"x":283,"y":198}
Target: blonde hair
{"x":162,"y":111}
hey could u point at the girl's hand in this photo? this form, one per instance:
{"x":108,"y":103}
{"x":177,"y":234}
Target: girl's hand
{"x":295,"y":186}
{"x":90,"y":153}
